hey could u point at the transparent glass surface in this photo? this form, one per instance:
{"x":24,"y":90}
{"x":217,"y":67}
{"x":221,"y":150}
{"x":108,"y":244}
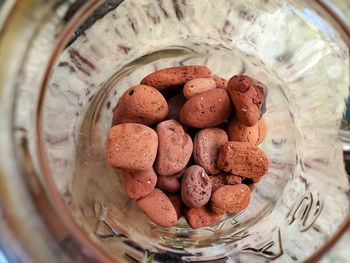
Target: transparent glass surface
{"x":290,"y":46}
{"x":303,"y":61}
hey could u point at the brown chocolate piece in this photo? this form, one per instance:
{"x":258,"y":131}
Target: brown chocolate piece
{"x":243,"y":159}
{"x":170,"y":184}
{"x":198,"y":86}
{"x":159,"y":208}
{"x":206,"y":147}
{"x":141,"y":104}
{"x":201,"y":216}
{"x":207,"y":109}
{"x":248,"y":96}
{"x":175,"y":76}
{"x":176,"y":200}
{"x":241,"y":133}
{"x":132,"y":147}
{"x":139,"y":184}
{"x":174,"y":150}
{"x":195,"y":187}
{"x":230,"y":198}
{"x":221,"y":83}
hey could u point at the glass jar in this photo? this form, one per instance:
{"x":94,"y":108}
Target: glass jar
{"x":68,"y":62}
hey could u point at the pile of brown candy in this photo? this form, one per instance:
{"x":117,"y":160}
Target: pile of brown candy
{"x":194,"y":154}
